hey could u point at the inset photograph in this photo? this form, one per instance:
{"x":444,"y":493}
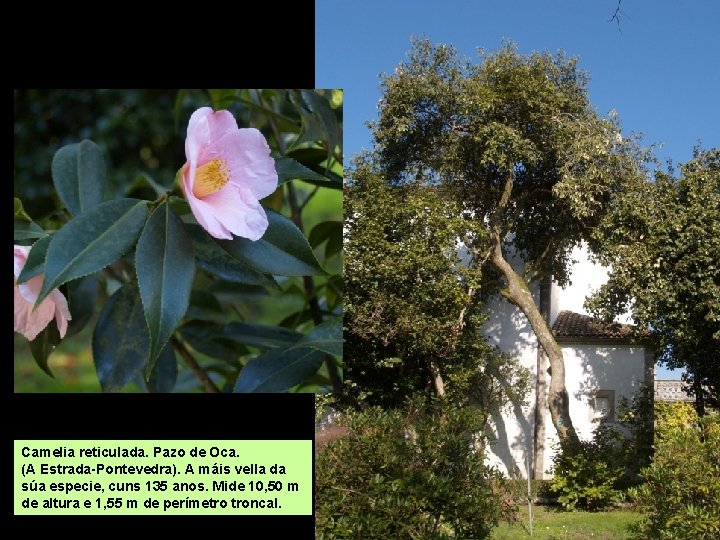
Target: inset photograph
{"x":178,"y":240}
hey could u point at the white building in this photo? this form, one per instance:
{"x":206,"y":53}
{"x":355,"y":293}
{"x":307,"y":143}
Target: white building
{"x":602,"y":364}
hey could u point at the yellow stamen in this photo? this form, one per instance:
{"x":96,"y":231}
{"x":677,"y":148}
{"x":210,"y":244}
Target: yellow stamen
{"x":210,"y":178}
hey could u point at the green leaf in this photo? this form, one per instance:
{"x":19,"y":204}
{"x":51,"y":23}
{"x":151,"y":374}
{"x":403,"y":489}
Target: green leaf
{"x":208,"y":338}
{"x":27,"y":230}
{"x":296,"y":319}
{"x":78,"y":172}
{"x":260,"y":335}
{"x":332,"y":231}
{"x":227,"y":291}
{"x":92,"y":240}
{"x":334,"y":245}
{"x":312,"y":128}
{"x":144,"y":180}
{"x":319,"y":120}
{"x":221,"y":99}
{"x":326,"y":337}
{"x":81,"y":297}
{"x":334,"y":291}
{"x":180,"y":206}
{"x":121,"y":342}
{"x":212,"y":258}
{"x":284,"y":123}
{"x":278,"y":370}
{"x":289,"y":169}
{"x":204,"y":306}
{"x":165,"y":268}
{"x":35,"y":263}
{"x":309,"y":157}
{"x":44,"y":344}
{"x":320,"y":107}
{"x":164,"y":373}
{"x":20,"y":211}
{"x":282,"y":251}
{"x":179,"y":99}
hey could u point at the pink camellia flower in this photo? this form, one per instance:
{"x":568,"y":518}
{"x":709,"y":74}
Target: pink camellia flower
{"x":227,"y":171}
{"x":31,"y":322}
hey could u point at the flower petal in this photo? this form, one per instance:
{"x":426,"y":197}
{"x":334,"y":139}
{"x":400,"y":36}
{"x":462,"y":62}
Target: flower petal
{"x":205,"y":215}
{"x":248,"y":157}
{"x":21,"y":253}
{"x":233,"y":210}
{"x":205,"y":127}
{"x":28,"y":322}
{"x":31,"y":288}
{"x":62,"y":312}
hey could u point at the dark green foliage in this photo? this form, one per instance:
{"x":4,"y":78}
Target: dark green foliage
{"x":407,"y":473}
{"x":92,"y":241}
{"x":585,"y":472}
{"x":591,"y":475}
{"x":518,"y":490}
{"x":121,"y":341}
{"x":411,"y":301}
{"x":662,"y":240}
{"x":79,"y":174}
{"x":680,"y":498}
{"x":283,"y":249}
{"x":165,"y":266}
{"x":135,"y":128}
{"x":637,"y":435}
{"x":471,"y":125}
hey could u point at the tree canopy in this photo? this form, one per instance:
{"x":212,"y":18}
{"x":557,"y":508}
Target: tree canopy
{"x":413,"y":320}
{"x":662,"y":242}
{"x":516,"y":143}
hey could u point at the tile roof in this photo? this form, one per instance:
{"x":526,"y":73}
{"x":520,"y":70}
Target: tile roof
{"x":571,"y":325}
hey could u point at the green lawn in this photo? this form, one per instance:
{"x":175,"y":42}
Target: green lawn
{"x":551,"y":524}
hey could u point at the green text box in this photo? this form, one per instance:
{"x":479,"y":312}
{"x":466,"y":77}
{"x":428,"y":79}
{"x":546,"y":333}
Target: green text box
{"x":163,"y":477}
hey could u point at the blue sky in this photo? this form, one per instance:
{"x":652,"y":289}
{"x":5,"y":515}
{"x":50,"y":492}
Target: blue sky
{"x":660,"y":71}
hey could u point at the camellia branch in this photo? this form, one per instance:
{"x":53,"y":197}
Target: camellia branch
{"x":192,"y":364}
{"x":308,"y":284}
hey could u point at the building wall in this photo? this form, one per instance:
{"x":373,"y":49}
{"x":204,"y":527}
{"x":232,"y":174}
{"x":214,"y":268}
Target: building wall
{"x":609,"y":372}
{"x":586,"y":278}
{"x":618,"y":369}
{"x":510,"y":432}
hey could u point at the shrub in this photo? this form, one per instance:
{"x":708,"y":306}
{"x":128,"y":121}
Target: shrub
{"x":409,"y":473}
{"x":585,"y":473}
{"x":635,"y":417}
{"x":539,"y":489}
{"x":681,"y":494}
{"x":594,"y":474}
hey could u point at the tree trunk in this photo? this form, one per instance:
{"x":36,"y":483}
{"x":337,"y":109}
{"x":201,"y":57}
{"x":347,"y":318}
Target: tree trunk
{"x":518,"y":293}
{"x":436,"y":379}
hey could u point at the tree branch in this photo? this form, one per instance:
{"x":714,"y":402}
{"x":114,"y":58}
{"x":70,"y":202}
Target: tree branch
{"x":192,"y":364}
{"x":616,"y":15}
{"x":436,"y":378}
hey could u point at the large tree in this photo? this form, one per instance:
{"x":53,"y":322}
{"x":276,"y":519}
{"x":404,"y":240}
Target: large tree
{"x":413,"y":319}
{"x":515,"y":141}
{"x":663,"y":244}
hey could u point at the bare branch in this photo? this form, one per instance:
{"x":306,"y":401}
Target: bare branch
{"x":616,"y":15}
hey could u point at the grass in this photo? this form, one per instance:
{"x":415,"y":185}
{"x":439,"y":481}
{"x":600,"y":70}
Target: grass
{"x":551,"y":524}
